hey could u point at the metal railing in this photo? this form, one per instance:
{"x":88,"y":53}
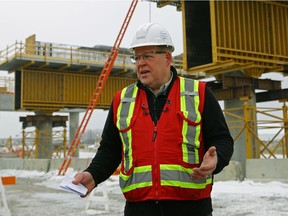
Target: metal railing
{"x":7,"y":84}
{"x":69,"y":54}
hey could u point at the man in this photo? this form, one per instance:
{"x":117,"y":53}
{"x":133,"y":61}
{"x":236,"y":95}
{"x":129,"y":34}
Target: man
{"x":168,"y":133}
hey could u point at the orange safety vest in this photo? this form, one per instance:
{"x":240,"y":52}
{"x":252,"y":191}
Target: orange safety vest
{"x":157,"y":160}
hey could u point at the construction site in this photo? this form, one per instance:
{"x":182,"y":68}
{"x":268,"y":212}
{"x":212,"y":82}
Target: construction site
{"x":63,"y":84}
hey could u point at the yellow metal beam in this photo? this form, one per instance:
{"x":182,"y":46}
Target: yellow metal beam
{"x":274,"y":69}
{"x":229,"y":69}
{"x":43,"y":65}
{"x":64,"y":67}
{"x":46,"y":91}
{"x":29,"y":63}
{"x":123,"y":72}
{"x":83,"y":69}
{"x":211,"y":66}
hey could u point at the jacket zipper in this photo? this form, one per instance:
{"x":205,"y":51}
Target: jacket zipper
{"x":155,"y":119}
{"x":155,"y":162}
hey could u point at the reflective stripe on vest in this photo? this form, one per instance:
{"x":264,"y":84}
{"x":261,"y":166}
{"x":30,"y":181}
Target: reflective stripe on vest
{"x":141,"y":177}
{"x":171,"y":175}
{"x":189,"y":104}
{"x":124,"y":115}
{"x":179,"y":176}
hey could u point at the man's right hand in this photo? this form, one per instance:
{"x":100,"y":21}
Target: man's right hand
{"x":86,"y":179}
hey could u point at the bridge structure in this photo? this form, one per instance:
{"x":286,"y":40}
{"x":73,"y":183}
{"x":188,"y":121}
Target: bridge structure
{"x":235,"y":52}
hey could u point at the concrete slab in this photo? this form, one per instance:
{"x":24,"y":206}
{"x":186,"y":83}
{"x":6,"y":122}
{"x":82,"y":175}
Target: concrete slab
{"x":56,"y":163}
{"x":231,"y":172}
{"x":78,"y":164}
{"x":36,"y":164}
{"x":82,"y":163}
{"x":10,"y":163}
{"x":7,"y":102}
{"x":267,"y":169}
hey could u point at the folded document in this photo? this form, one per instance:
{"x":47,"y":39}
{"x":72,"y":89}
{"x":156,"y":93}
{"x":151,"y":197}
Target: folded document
{"x":69,"y":186}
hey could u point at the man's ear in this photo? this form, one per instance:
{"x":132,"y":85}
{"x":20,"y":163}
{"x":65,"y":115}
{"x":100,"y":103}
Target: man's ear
{"x":169,"y":57}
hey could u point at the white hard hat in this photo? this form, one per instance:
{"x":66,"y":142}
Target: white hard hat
{"x":152,"y":34}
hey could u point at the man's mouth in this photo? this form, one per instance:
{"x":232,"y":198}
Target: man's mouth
{"x":144,"y":72}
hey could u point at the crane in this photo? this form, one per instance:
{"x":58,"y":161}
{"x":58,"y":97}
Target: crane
{"x":97,"y":91}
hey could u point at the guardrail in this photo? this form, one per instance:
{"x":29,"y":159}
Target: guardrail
{"x":69,"y":54}
{"x":7,"y":84}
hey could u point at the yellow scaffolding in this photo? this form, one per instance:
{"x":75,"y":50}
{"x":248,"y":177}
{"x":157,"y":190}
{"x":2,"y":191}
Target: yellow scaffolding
{"x":226,"y":36}
{"x":274,"y":120}
{"x":31,"y":144}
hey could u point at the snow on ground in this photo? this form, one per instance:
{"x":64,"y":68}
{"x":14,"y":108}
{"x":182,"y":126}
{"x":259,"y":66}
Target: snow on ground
{"x":38,"y":193}
{"x":250,"y":198}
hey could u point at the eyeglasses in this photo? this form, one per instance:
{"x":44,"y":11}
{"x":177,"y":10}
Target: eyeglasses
{"x":145,"y":56}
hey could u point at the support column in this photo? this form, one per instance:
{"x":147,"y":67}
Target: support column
{"x":73,"y":127}
{"x":44,"y":124}
{"x":45,"y":144}
{"x":241,"y":144}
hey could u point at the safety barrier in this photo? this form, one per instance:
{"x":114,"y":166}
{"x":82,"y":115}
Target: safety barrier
{"x":6,"y":180}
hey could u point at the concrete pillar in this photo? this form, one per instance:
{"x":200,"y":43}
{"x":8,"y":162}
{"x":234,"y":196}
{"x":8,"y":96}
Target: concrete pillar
{"x":44,"y":124}
{"x":73,"y":127}
{"x":44,"y":135}
{"x":240,"y":144}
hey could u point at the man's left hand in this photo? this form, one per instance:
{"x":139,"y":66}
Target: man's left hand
{"x":207,"y":166}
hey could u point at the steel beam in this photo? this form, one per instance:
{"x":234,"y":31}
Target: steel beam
{"x":281,"y":95}
{"x":233,"y":93}
{"x":263,"y":84}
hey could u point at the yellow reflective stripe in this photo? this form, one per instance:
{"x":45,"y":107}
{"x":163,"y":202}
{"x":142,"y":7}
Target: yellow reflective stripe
{"x":124,"y":116}
{"x":128,"y":145}
{"x":131,"y":107}
{"x":185,"y":123}
{"x":184,"y":146}
{"x":129,"y":132}
{"x":175,"y":167}
{"x":120,"y":108}
{"x":198,"y":118}
{"x":196,"y":155}
{"x":197,"y":101}
{"x":135,"y":186}
{"x":190,"y":185}
{"x":178,"y":176}
{"x":182,"y":97}
{"x":126,"y":106}
{"x":141,"y":177}
{"x":146,"y":168}
{"x":190,"y":134}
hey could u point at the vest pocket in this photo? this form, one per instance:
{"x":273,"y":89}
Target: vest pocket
{"x":138,"y":177}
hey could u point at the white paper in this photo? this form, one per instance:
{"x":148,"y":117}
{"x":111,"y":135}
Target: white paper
{"x":69,"y":186}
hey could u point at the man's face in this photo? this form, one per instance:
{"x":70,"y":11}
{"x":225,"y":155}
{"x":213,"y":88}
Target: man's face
{"x":152,"y":65}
